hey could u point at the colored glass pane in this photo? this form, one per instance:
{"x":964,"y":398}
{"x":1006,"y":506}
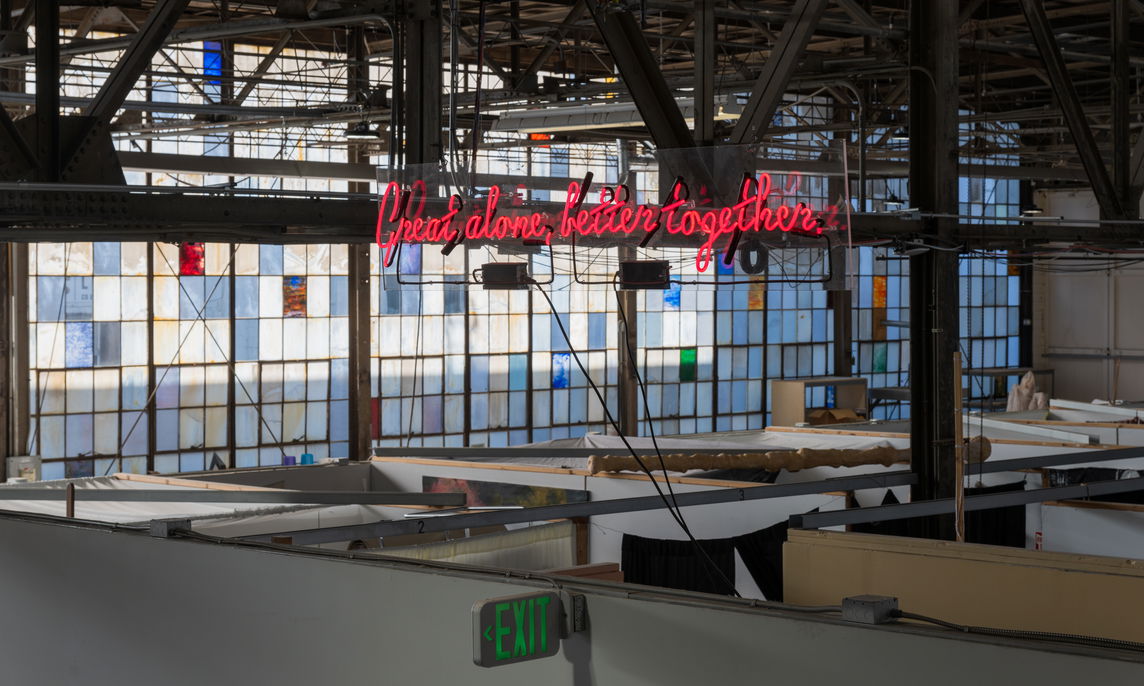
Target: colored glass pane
{"x":293,"y":296}
{"x":687,"y":364}
{"x":192,"y":259}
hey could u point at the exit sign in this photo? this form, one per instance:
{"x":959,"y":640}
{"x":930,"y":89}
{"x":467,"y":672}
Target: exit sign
{"x":516,"y":629}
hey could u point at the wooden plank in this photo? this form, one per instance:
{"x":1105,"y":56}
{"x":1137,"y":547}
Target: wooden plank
{"x":1096,"y":505}
{"x":186,"y":483}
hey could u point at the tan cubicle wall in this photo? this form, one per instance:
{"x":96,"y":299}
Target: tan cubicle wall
{"x":970,"y":584}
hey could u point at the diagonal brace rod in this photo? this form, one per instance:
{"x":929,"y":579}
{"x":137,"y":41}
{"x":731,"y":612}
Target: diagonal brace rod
{"x":780,"y":66}
{"x":1072,"y":109}
{"x":137,"y":58}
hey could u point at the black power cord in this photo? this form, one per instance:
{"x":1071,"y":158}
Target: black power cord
{"x":676,"y":515}
{"x":643,"y":393}
{"x":1076,"y":639}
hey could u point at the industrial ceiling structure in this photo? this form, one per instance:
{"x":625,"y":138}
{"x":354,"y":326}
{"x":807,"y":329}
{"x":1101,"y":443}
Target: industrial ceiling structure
{"x":1047,"y":91}
{"x":1053,"y":85}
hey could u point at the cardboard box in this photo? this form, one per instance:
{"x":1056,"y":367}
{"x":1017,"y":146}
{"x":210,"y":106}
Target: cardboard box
{"x":831,"y":415}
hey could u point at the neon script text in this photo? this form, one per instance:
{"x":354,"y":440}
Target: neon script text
{"x":402,"y":212}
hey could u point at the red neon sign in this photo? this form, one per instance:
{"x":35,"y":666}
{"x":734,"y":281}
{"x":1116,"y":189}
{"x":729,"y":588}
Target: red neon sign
{"x":614,"y":215}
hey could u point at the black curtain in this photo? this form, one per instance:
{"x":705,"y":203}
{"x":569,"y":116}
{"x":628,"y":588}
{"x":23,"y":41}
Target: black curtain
{"x":999,"y":526}
{"x":890,"y":527}
{"x":762,"y":553}
{"x":677,"y":564}
{"x":1083,"y":475}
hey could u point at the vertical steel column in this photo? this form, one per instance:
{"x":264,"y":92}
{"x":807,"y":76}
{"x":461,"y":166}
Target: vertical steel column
{"x":6,"y":330}
{"x":704,"y":91}
{"x":358,"y":281}
{"x":152,"y":376}
{"x":7,"y":372}
{"x":934,"y":318}
{"x":627,"y":336}
{"x":1121,"y":93}
{"x":48,"y":89}
{"x":840,"y":299}
{"x":226,"y":96}
{"x":423,"y":67}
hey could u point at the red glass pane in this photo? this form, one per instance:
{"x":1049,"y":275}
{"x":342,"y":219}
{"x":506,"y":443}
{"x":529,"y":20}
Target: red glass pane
{"x":192,"y":257}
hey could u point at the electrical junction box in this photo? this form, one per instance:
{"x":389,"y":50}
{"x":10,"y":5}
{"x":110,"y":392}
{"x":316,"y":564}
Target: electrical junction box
{"x":505,"y":276}
{"x":870,"y":609}
{"x":645,"y":274}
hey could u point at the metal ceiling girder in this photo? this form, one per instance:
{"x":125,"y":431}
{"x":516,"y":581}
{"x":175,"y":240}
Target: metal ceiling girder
{"x":61,"y":212}
{"x":1137,"y":165}
{"x":263,"y":67}
{"x":642,"y":76}
{"x":137,"y":58}
{"x":72,"y":212}
{"x":89,"y":155}
{"x":705,"y":32}
{"x":772,"y":82}
{"x":571,"y":18}
{"x":374,"y":12}
{"x":858,"y":13}
{"x":17,"y":158}
{"x":1042,"y":32}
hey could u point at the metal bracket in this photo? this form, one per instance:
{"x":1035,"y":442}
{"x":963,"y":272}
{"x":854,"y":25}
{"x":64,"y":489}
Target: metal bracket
{"x":575,"y":606}
{"x":168,"y":528}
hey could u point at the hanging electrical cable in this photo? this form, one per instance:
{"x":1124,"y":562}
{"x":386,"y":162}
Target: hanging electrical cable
{"x":673,"y":510}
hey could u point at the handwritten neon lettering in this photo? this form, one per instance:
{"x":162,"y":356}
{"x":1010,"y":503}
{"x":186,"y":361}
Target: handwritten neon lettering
{"x":759,"y":209}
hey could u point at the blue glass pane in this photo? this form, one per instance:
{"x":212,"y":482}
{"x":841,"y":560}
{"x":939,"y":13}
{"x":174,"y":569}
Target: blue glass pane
{"x":49,"y":298}
{"x":339,"y":420}
{"x":671,"y":297}
{"x":409,"y":261}
{"x":454,"y":298}
{"x":597,"y":330}
{"x":517,"y":372}
{"x":218,"y":298}
{"x":561,"y":372}
{"x":77,"y":298}
{"x":431,"y":415}
{"x":246,"y":296}
{"x":558,"y":342}
{"x":246,"y":340}
{"x":133,"y":433}
{"x":78,"y":344}
{"x":339,"y":378}
{"x":479,"y":371}
{"x":105,"y":259}
{"x":339,"y":296}
{"x":107,"y":344}
{"x":167,"y":430}
{"x":192,"y":296}
{"x":270,"y":260}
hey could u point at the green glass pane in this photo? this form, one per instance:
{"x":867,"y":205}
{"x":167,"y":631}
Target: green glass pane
{"x":687,"y":364}
{"x":880,"y":357}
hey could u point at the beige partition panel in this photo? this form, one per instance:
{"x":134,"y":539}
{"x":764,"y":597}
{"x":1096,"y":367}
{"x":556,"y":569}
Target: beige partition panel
{"x":964,"y":583}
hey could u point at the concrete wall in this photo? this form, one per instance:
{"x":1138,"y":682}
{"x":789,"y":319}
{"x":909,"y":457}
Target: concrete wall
{"x":1088,"y":326}
{"x":101,"y":608}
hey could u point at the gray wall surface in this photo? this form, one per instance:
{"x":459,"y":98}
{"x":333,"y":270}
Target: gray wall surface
{"x":89,"y":606}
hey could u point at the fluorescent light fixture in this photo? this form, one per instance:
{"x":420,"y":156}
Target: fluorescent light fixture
{"x":900,"y":135}
{"x":1031,"y":211}
{"x":598,"y":116}
{"x":362,"y":131}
